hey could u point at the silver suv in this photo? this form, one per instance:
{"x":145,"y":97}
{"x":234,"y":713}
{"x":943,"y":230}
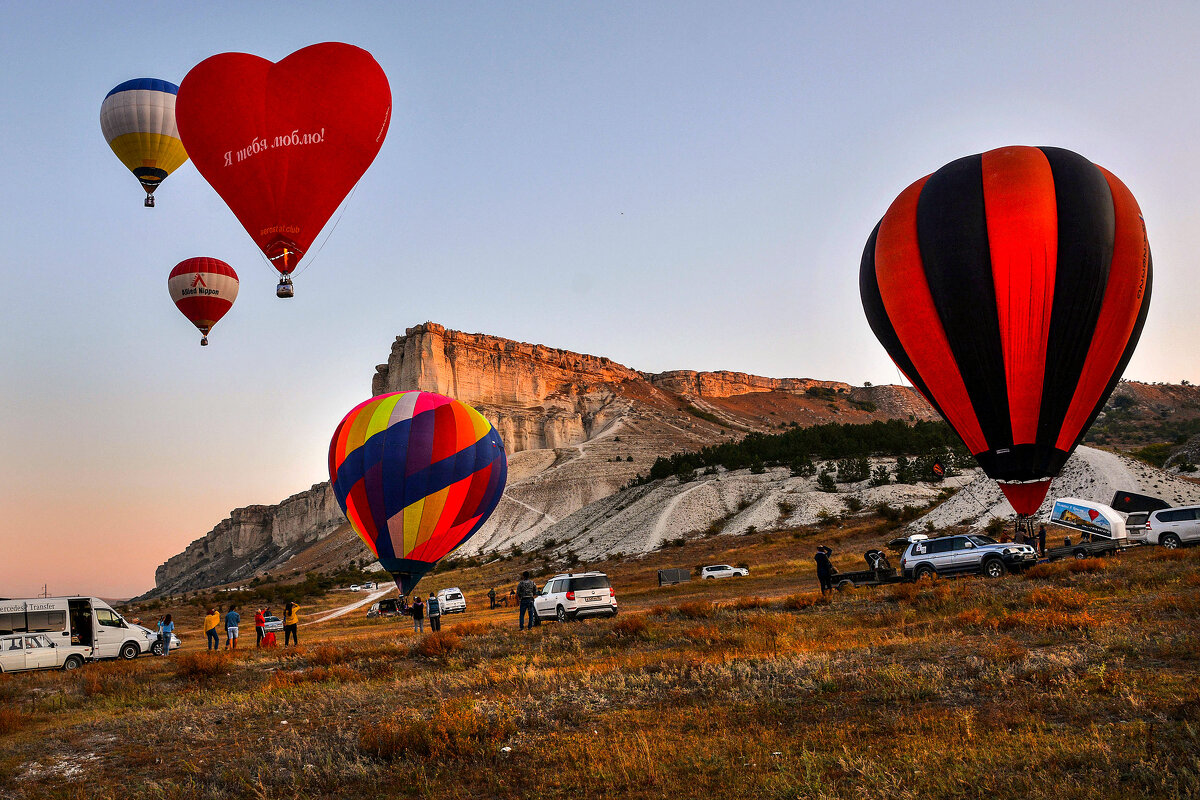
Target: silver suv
{"x":1172,"y":527}
{"x":972,"y":552}
{"x":572,"y":596}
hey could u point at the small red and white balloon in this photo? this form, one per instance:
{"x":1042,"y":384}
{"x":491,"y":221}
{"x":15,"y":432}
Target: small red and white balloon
{"x":203,"y":290}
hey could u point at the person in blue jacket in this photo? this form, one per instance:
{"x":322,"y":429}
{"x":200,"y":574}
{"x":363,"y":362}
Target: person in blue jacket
{"x":165,"y":628}
{"x":232,"y":618}
{"x":434,"y":609}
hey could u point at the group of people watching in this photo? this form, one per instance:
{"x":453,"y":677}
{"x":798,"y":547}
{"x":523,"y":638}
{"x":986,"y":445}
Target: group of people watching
{"x":263,"y":637}
{"x":420,"y":608}
{"x":1026,"y":536}
{"x":495,"y":601}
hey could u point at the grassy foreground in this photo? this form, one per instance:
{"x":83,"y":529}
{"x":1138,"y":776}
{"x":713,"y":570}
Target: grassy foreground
{"x":1076,"y":680}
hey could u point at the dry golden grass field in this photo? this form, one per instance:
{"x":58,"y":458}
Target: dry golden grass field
{"x":1075,"y":680}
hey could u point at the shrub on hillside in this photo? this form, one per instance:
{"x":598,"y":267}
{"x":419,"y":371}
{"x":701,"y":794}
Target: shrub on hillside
{"x":1059,"y":599}
{"x":200,"y":667}
{"x":438,"y":644}
{"x":327,"y":655}
{"x":631,"y":627}
{"x":803,"y":600}
{"x":696,"y":609}
{"x":748,"y":603}
{"x":853,"y":470}
{"x":12,"y":720}
{"x":881,"y":476}
{"x":455,"y":731}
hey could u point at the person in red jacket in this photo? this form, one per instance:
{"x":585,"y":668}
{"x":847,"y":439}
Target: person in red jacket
{"x":260,"y":627}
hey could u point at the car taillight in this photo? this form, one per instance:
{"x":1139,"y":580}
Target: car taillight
{"x":612,"y":592}
{"x":570,"y":595}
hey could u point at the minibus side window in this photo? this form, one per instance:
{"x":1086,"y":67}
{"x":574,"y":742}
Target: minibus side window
{"x":12,"y":622}
{"x":47,"y":621}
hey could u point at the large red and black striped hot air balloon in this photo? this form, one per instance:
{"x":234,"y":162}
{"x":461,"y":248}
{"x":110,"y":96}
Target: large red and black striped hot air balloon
{"x":203,"y":290}
{"x":1011,"y":288}
{"x":417,"y":474}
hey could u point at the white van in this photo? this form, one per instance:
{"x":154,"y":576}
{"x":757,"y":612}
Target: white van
{"x":86,"y":622}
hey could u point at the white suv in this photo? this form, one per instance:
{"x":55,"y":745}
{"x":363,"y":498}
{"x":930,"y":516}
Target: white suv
{"x":722,"y":571}
{"x":1172,"y":527}
{"x":451,"y":601}
{"x":572,"y":596}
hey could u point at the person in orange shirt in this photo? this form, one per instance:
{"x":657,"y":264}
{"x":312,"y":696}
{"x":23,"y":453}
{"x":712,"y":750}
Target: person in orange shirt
{"x":211,"y":621}
{"x":291,"y":619}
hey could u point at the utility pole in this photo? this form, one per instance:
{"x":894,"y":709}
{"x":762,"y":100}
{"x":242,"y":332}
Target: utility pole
{"x":45,"y":590}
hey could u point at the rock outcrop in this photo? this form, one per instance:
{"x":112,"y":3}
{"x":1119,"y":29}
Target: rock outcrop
{"x":727,"y":384}
{"x":250,"y":540}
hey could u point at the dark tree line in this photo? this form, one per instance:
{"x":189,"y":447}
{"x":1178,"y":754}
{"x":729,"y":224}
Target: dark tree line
{"x":799,"y":447}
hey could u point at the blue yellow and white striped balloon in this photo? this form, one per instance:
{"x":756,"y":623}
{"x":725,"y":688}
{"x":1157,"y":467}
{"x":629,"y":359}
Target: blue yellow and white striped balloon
{"x":138,"y":121}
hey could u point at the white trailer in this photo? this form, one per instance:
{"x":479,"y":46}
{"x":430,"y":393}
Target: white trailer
{"x":1093,"y":529}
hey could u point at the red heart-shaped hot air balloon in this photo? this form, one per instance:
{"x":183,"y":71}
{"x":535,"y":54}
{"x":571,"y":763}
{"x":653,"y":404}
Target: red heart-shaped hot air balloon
{"x":284,"y":143}
{"x":1093,"y":513}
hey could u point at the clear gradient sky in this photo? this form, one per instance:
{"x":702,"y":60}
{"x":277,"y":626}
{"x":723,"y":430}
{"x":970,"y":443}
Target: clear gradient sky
{"x":672,"y":185}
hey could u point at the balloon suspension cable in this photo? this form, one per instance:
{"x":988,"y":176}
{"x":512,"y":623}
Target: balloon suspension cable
{"x":975,"y":497}
{"x":345,"y":204}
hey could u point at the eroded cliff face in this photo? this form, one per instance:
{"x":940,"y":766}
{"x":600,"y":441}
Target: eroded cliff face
{"x":250,"y":540}
{"x":728,"y":384}
{"x":540,"y":397}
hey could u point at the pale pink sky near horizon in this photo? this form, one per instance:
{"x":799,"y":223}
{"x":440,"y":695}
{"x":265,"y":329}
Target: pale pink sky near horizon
{"x":672,"y":185}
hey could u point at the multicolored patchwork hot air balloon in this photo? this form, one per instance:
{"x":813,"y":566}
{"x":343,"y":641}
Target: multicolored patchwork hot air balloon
{"x":1011,"y":288}
{"x":203,"y":290}
{"x":417,"y":474}
{"x":138,"y":121}
{"x":284,"y":143}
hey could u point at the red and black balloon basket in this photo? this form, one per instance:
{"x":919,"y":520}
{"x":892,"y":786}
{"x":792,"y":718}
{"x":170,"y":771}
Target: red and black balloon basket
{"x":1010,"y":287}
{"x":284,"y":143}
{"x":203,"y":290}
{"x":417,"y":474}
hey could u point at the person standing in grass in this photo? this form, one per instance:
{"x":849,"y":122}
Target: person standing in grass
{"x":1041,"y":540}
{"x":260,"y":627}
{"x":418,"y":615}
{"x":211,"y":622}
{"x":526,"y":591}
{"x":232,"y":618}
{"x":824,"y":569}
{"x":492,"y":596}
{"x":291,"y":623}
{"x":165,"y":628}
{"x":435,"y":613}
